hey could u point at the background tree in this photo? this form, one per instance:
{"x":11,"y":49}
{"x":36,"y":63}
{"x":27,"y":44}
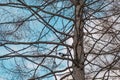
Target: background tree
{"x":60,"y":39}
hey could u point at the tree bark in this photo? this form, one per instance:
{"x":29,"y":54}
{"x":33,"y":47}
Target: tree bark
{"x":78,"y":63}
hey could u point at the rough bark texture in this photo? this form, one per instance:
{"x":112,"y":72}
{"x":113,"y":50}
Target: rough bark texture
{"x":78,"y":66}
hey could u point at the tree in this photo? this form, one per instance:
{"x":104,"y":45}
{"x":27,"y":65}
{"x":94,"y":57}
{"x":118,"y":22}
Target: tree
{"x":60,"y":39}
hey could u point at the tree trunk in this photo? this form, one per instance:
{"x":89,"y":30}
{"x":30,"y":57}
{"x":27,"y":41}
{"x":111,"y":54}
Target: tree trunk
{"x":78,"y":63}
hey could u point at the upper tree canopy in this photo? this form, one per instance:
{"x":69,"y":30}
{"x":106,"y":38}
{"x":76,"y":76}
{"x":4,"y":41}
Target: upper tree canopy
{"x":36,"y":39}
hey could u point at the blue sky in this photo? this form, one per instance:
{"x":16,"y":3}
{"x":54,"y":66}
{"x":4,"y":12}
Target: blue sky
{"x":35,"y":27}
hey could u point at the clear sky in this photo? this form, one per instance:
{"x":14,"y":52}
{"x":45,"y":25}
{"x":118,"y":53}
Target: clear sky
{"x":34,"y":28}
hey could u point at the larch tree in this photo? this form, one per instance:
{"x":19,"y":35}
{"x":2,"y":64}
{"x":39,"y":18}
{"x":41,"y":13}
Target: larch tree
{"x":60,"y":39}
